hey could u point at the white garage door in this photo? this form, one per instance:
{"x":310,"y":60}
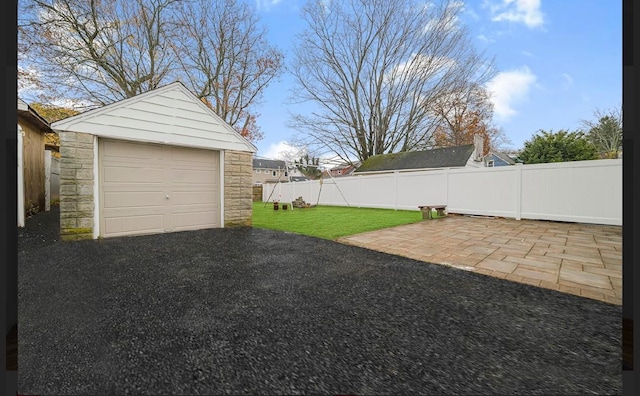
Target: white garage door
{"x":150,"y":188}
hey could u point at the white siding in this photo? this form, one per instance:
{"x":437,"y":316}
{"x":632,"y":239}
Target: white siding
{"x":168,"y":115}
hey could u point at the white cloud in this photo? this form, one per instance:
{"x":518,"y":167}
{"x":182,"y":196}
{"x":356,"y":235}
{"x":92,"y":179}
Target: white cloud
{"x":474,"y":15}
{"x":419,"y":65}
{"x":265,"y":5}
{"x":485,"y":39}
{"x":524,"y":11}
{"x":450,"y":20}
{"x":281,"y":151}
{"x":568,"y":81}
{"x":527,"y":53}
{"x":71,"y":104}
{"x":284,"y":151}
{"x":28,"y":82}
{"x":508,"y":88}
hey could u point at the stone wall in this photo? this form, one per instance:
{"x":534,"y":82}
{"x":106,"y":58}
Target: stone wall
{"x":238,"y":182}
{"x":76,"y":186}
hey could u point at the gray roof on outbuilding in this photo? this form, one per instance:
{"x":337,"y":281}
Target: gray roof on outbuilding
{"x":446,"y":157}
{"x":30,"y":115}
{"x":268,"y":164}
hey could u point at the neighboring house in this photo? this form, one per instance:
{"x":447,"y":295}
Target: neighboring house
{"x":33,"y":189}
{"x":496,"y":158}
{"x":447,"y":157}
{"x":269,"y":171}
{"x":298,"y":178}
{"x":342,"y":170}
{"x":161,"y":161}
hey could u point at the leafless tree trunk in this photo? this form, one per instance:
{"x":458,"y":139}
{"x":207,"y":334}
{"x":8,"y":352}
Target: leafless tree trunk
{"x":373,"y":67}
{"x":226,"y":59}
{"x":100,"y":51}
{"x":97,"y":52}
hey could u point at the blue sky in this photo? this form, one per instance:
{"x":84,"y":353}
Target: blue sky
{"x":557,"y":61}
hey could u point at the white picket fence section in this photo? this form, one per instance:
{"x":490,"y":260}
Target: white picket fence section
{"x":578,"y":191}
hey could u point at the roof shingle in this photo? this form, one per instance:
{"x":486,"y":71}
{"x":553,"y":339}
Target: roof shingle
{"x":268,"y":164}
{"x":446,"y":157}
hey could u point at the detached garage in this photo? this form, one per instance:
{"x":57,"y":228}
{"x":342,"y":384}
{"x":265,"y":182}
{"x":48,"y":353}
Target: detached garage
{"x":159,"y":162}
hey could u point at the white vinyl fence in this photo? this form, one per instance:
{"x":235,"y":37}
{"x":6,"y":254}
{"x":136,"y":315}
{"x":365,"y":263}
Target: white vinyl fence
{"x":578,"y":191}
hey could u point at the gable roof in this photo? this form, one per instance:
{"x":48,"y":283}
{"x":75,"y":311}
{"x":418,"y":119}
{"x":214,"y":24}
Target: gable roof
{"x":165,"y":115}
{"x":446,"y":157}
{"x":268,"y":164}
{"x":27,"y":113}
{"x":504,"y":157}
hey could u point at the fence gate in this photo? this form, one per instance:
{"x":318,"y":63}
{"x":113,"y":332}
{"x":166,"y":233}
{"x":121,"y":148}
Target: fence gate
{"x":257,"y":193}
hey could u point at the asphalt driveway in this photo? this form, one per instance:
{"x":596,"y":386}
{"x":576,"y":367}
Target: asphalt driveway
{"x":250,"y":311}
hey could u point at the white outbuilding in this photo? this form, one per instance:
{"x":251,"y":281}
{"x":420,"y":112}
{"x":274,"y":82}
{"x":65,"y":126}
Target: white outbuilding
{"x":161,"y":161}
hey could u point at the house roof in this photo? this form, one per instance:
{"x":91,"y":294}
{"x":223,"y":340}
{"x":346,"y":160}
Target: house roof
{"x":166,"y":115}
{"x":446,"y":157}
{"x":268,"y":164}
{"x":298,"y":178}
{"x":504,"y":157}
{"x":27,"y":113}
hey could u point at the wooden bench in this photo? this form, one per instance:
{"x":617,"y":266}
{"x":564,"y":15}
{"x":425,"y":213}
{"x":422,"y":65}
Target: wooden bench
{"x":426,"y":211}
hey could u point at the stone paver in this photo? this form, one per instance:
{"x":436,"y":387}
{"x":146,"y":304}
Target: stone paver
{"x":580,"y":259}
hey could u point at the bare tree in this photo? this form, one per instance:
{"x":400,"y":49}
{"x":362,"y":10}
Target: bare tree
{"x":606,"y":131}
{"x":99,"y":51}
{"x":373,"y":68}
{"x":96,"y":52}
{"x":226,"y":59}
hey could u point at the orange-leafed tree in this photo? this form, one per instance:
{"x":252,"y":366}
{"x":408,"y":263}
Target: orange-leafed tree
{"x":462,"y":113}
{"x":248,"y":129}
{"x":52,"y":113}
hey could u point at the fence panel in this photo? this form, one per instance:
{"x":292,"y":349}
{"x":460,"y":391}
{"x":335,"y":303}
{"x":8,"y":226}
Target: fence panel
{"x":421,"y":188}
{"x":483,"y":191}
{"x":580,"y":191}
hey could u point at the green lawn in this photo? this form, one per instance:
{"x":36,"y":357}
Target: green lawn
{"x":330,"y":222}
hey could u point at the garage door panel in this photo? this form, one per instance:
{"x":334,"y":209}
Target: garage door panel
{"x":135,"y":211}
{"x":189,"y":176}
{"x":182,"y":155}
{"x":135,"y":225}
{"x":130,"y":150}
{"x":137,"y":178}
{"x":195,"y":188}
{"x":194,"y":221}
{"x":132,"y":199}
{"x":193,"y":198}
{"x":135,"y":187}
{"x":131,"y":174}
{"x":193,"y":208}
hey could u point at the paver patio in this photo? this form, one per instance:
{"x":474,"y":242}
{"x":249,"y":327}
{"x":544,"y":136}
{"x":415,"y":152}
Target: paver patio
{"x":580,"y":259}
